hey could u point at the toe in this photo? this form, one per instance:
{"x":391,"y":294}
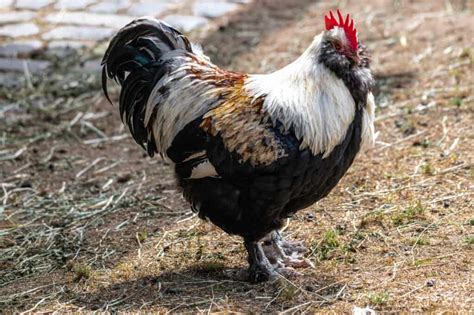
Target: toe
{"x":272,"y":253}
{"x":298,"y":263}
{"x":292,"y":247}
{"x":288,"y":272}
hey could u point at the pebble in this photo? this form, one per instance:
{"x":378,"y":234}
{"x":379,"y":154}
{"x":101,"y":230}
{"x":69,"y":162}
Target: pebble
{"x":20,"y":48}
{"x":5,"y":3}
{"x":91,"y":66}
{"x":18,"y":30}
{"x":18,"y":65}
{"x":33,"y":4}
{"x":64,"y":44}
{"x":79,"y":33}
{"x":63,"y":49}
{"x":186,"y":23}
{"x":11,"y":80}
{"x":90,"y":19}
{"x":16,"y":16}
{"x":63,"y":26}
{"x":149,"y":9}
{"x":73,"y":4}
{"x":213,"y":9}
{"x":110,"y":6}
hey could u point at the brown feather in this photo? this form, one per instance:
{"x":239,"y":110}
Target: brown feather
{"x":244,"y":127}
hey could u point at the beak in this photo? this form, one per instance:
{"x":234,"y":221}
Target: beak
{"x":355,"y":57}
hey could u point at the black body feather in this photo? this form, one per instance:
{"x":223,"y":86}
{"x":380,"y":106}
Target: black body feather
{"x":253,"y":201}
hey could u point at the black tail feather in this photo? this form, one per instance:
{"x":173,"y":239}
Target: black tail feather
{"x":134,"y":42}
{"x":134,"y":60}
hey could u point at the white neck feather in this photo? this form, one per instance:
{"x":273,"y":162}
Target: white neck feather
{"x":308,"y":97}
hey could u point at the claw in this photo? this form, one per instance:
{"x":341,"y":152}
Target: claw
{"x":298,"y":263}
{"x":285,"y":255}
{"x":288,"y":272}
{"x":291,"y":247}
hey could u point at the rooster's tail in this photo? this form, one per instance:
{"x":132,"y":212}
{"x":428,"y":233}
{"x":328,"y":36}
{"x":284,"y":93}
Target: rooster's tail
{"x":135,"y":59}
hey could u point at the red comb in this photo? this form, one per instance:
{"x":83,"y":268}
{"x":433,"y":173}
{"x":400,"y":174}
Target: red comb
{"x":347,"y":25}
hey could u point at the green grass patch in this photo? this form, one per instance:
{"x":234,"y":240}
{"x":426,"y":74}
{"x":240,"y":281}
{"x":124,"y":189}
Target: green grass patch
{"x":378,"y":298}
{"x":469,"y":240}
{"x":327,"y":245}
{"x":372,"y":218}
{"x":141,"y":236}
{"x":428,"y":169}
{"x":422,"y":262}
{"x":409,"y":214}
{"x":82,"y":272}
{"x":466,"y":53}
{"x":418,"y":241}
{"x":457,"y":101}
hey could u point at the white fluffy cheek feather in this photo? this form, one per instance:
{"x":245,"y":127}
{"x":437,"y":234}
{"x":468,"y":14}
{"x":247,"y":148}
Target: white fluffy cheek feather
{"x":368,"y":129}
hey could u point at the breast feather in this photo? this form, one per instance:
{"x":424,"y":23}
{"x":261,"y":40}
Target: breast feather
{"x":310,"y":100}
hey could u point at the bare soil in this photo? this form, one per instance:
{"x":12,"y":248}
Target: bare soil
{"x":88,"y":222}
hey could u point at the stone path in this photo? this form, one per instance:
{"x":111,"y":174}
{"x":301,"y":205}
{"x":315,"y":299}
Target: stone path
{"x":28,"y":28}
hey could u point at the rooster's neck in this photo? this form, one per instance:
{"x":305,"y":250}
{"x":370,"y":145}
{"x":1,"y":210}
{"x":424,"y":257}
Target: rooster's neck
{"x":309,"y":99}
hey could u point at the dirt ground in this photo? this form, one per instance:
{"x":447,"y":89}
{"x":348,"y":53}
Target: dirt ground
{"x":88,"y":222}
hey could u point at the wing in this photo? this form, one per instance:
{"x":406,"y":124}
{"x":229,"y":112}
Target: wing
{"x":236,"y":140}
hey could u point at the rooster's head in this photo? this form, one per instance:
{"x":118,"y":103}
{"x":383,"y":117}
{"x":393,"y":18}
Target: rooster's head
{"x":338,"y":46}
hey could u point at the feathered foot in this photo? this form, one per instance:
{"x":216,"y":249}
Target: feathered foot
{"x":260,"y":268}
{"x":284,"y":255}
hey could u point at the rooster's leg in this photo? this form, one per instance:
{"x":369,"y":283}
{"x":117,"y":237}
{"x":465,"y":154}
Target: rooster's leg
{"x":285,"y":255}
{"x":260,"y":268}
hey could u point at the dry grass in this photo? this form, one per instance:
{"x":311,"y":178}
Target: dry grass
{"x":88,"y":223}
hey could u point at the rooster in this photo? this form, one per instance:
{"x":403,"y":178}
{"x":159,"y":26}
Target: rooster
{"x":248,"y":150}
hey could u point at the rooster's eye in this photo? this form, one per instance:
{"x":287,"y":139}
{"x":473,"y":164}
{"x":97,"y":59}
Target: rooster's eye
{"x":337,"y":46}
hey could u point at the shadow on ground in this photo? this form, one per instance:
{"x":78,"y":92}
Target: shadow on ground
{"x":193,"y":288}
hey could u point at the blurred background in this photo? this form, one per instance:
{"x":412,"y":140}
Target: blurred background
{"x":89,"y":222}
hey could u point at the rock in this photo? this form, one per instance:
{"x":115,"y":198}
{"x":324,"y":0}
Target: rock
{"x":64,"y":44}
{"x":11,"y":80}
{"x":151,"y":9}
{"x":66,"y":48}
{"x":4,"y":4}
{"x":214,"y":9}
{"x":33,"y":4}
{"x":90,"y":19}
{"x":110,"y":6}
{"x":186,"y":23}
{"x":16,"y":16}
{"x":79,"y":33}
{"x":73,"y":4}
{"x":20,"y":48}
{"x":63,"y":49}
{"x":90,"y":66}
{"x":18,"y":65}
{"x":18,"y":30}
